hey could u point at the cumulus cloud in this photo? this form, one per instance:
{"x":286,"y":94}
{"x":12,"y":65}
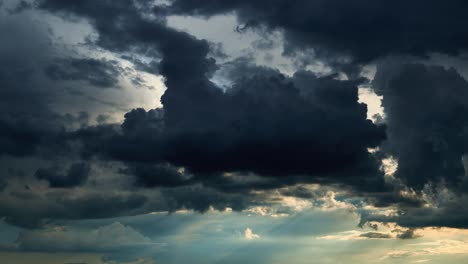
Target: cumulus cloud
{"x":424,"y":112}
{"x":440,"y":247}
{"x":249,"y":234}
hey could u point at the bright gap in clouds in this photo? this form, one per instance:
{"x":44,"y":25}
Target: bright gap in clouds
{"x":373,"y":102}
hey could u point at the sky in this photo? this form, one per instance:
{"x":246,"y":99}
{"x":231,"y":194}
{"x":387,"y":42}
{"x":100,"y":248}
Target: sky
{"x":234,"y":131}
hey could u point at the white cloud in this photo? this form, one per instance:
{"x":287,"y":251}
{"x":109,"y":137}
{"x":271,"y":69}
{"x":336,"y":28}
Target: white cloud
{"x":346,"y":235}
{"x":329,"y":203}
{"x":440,"y":247}
{"x":249,"y":234}
{"x":421,"y":261}
{"x":296,"y":204}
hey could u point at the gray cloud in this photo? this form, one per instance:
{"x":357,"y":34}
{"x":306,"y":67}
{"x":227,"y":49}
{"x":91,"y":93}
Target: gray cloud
{"x":100,"y":73}
{"x":376,"y":235}
{"x":30,"y":209}
{"x":363,"y":30}
{"x":76,"y":174}
{"x":425,"y":112}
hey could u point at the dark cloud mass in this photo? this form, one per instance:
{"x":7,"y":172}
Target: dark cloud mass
{"x":447,"y":213}
{"x":243,"y":136}
{"x":425,"y":108}
{"x":25,"y":119}
{"x":28,"y":209}
{"x":426,"y":111}
{"x":212,"y":145}
{"x":238,"y":133}
{"x":362,"y":29}
{"x":271,"y":125}
{"x":76,"y":174}
{"x":152,"y":175}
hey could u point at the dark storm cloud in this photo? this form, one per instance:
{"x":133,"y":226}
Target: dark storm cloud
{"x":449,"y":215}
{"x":123,"y":26}
{"x":3,"y":184}
{"x":100,"y":73}
{"x":28,"y":123}
{"x":152,"y":175}
{"x":264,"y":130}
{"x":288,"y":129}
{"x":270,"y":125}
{"x":202,"y":199}
{"x":362,"y":29}
{"x":243,"y":183}
{"x":138,"y":139}
{"x":29,"y":209}
{"x":425,"y":109}
{"x":76,"y":175}
{"x":22,"y":134}
{"x":25,"y":119}
{"x":265,"y":123}
{"x":425,"y":112}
